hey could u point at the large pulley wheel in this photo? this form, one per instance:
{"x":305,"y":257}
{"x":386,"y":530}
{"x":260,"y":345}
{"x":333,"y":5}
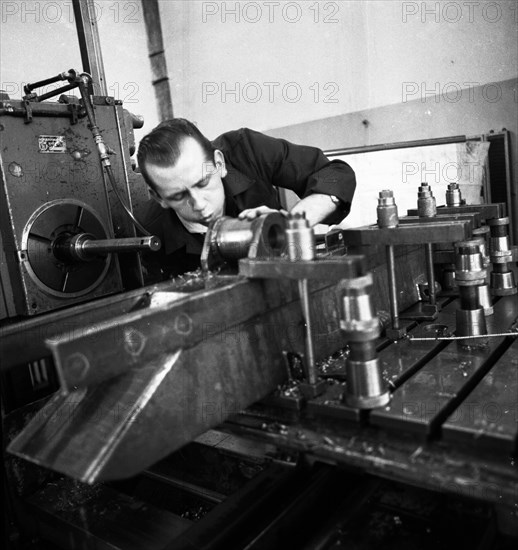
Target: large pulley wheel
{"x":48,"y":225}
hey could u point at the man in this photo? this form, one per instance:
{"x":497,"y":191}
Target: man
{"x":194,"y":181}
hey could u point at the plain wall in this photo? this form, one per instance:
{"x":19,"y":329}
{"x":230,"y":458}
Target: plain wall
{"x":272,"y":65}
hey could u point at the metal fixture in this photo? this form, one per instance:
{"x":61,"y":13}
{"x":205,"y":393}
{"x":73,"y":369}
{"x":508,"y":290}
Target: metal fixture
{"x":470,"y":275}
{"x":366,"y":388}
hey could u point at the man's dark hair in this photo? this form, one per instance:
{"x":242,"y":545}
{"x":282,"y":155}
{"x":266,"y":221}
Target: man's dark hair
{"x":162,"y":145}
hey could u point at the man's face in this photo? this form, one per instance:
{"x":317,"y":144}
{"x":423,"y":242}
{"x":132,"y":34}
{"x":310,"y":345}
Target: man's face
{"x":193,"y":186}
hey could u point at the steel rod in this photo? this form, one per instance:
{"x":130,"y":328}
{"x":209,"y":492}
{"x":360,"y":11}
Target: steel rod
{"x":391,"y":271}
{"x":430,"y":273}
{"x":310,"y":353}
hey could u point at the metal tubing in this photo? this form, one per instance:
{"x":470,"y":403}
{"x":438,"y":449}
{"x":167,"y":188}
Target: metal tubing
{"x":391,"y":271}
{"x":32,"y":86}
{"x":53,"y":93}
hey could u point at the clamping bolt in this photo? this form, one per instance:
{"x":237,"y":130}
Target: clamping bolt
{"x":366,"y":388}
{"x":426,"y":205}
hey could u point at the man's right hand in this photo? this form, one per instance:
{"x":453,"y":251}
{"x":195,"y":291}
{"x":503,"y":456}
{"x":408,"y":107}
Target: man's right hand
{"x":252,"y":213}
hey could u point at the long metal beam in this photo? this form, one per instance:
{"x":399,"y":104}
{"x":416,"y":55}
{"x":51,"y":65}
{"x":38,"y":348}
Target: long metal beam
{"x":177,"y":371}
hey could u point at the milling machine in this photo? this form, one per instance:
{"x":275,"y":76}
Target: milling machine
{"x":285,"y":382}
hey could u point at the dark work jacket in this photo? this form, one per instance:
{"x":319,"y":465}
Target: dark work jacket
{"x":256,"y":165}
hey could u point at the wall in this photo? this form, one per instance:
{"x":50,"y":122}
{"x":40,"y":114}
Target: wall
{"x":276,"y":64}
{"x":366,"y":71}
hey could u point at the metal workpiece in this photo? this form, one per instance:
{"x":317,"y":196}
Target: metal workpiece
{"x":141,"y":383}
{"x":453,"y":195}
{"x":360,"y":325}
{"x":426,"y":205}
{"x":230,"y":239}
{"x":387,"y":209}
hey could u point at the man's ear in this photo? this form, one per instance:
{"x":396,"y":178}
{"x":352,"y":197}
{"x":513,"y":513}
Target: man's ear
{"x":155,"y":196}
{"x":219,"y":160}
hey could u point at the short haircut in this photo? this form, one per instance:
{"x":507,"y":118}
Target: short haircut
{"x":162,"y":145}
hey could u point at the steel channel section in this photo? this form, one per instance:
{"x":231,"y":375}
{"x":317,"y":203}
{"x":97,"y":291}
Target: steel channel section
{"x":26,"y":340}
{"x":108,"y":349}
{"x":201,"y":361}
{"x":433,"y":232}
{"x":105,"y":350}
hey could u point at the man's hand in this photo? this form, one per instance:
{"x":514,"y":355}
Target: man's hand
{"x":316,"y":206}
{"x":252,"y":213}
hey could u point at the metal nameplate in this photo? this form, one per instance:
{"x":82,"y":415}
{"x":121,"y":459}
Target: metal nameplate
{"x":52,"y":144}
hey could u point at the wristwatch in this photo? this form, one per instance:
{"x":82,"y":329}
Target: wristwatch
{"x":335,"y":200}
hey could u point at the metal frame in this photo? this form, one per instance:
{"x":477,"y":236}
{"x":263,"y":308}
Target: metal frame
{"x":511,"y":195}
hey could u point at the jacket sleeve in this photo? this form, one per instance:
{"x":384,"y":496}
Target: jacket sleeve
{"x":303,"y":169}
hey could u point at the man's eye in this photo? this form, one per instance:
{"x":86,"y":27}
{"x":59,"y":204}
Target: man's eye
{"x":203,"y":183}
{"x":178,"y":196}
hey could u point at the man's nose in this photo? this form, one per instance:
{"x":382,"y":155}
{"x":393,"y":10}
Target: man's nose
{"x":197,"y":201}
